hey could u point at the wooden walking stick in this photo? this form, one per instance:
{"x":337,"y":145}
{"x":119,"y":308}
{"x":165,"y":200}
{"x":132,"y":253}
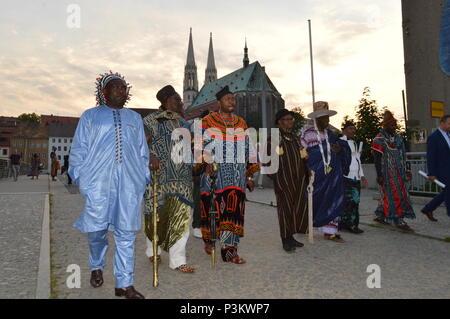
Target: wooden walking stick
{"x":310,"y":190}
{"x":155,"y":229}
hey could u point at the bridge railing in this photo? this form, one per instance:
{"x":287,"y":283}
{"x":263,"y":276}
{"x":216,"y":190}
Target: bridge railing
{"x":417,"y":161}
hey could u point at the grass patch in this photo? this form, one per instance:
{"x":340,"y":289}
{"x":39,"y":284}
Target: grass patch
{"x":447,"y":239}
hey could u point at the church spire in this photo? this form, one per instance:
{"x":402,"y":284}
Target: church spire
{"x":190,"y":55}
{"x":246,"y":60}
{"x":190,"y":84}
{"x":211,"y":71}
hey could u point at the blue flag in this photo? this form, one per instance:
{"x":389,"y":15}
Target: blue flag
{"x":444,"y":53}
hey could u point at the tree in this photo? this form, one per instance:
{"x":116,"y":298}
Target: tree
{"x":29,"y":117}
{"x":299,"y":119}
{"x":368,"y":123}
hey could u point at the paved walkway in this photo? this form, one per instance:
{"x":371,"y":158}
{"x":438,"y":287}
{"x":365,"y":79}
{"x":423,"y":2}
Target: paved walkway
{"x":21,"y":212}
{"x":412,"y":266}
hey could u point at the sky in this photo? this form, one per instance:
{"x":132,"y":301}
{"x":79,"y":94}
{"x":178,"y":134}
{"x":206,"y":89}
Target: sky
{"x":49,"y":58}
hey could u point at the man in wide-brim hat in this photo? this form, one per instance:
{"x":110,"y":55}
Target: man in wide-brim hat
{"x":329,"y":158}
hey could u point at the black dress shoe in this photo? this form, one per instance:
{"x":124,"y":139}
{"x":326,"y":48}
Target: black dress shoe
{"x":96,"y":278}
{"x":295,"y":243}
{"x":355,"y":230}
{"x":429,"y":215}
{"x":128,"y":293}
{"x":288,"y":245}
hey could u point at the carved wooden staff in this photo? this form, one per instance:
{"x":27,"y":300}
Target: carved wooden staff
{"x":155,"y":229}
{"x":310,"y":190}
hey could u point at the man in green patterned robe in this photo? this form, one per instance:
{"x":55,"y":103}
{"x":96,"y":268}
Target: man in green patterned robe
{"x":174,"y":181}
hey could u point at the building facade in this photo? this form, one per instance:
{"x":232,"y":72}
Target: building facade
{"x":257,"y":99}
{"x":426,"y":34}
{"x":60,"y":140}
{"x":8,"y":128}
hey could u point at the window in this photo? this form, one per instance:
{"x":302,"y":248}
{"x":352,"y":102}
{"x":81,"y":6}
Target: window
{"x":70,"y":140}
{"x":59,"y":148}
{"x":65,"y":140}
{"x":59,"y":157}
{"x":5,"y":152}
{"x":53,"y":140}
{"x":65,"y":148}
{"x":59,"y":140}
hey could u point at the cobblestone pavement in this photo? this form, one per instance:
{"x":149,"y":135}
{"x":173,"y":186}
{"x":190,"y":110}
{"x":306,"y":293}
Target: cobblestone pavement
{"x":21,"y":211}
{"x":412,"y":266}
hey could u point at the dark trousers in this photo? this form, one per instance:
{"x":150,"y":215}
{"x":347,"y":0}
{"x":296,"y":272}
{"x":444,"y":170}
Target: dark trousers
{"x":444,"y":196}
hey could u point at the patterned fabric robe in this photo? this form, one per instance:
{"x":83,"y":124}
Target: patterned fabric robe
{"x":174,"y":180}
{"x":231,"y":177}
{"x":394,"y":203}
{"x":328,"y":194}
{"x":290,"y":182}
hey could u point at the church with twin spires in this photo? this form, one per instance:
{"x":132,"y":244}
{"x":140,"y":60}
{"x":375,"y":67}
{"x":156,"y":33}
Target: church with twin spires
{"x":256,"y":96}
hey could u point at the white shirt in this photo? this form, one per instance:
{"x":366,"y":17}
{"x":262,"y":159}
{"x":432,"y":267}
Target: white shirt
{"x":356,"y":170}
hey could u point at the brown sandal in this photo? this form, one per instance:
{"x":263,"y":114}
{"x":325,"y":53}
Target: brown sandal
{"x":185,"y":269}
{"x":238,"y":260}
{"x":405,"y":228}
{"x":229,"y":254}
{"x":334,"y":237}
{"x":381,"y":221}
{"x":157,"y":258}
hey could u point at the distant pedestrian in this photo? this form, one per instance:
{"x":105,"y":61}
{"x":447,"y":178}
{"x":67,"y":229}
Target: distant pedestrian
{"x":15,"y":164}
{"x":66,"y":169}
{"x":35,"y":165}
{"x":54,"y":166}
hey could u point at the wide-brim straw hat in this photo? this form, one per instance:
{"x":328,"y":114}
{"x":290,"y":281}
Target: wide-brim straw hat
{"x":321,"y":108}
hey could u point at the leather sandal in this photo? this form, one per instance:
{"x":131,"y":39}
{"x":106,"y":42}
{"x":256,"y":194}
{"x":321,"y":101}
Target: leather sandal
{"x":237,"y":260}
{"x":334,"y":237}
{"x":405,"y":228}
{"x":185,"y":269}
{"x":381,"y":221}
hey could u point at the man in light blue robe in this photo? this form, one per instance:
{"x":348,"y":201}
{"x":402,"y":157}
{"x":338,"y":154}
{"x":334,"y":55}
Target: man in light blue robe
{"x":109,"y":161}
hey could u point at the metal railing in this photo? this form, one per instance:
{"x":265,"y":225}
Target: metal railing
{"x":417,"y":161}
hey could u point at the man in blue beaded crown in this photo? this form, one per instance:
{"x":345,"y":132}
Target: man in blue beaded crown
{"x":109,"y":161}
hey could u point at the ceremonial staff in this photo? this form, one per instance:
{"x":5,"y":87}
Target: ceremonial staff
{"x":155,"y":228}
{"x":310,"y":190}
{"x":213,"y":215}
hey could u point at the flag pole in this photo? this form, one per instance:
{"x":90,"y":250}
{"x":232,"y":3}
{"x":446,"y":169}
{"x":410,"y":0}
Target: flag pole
{"x":312,"y":62}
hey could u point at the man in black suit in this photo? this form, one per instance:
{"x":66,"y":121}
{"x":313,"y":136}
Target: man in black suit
{"x":438,"y":153}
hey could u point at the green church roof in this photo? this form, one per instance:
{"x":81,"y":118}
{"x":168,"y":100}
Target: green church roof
{"x":244,"y":79}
